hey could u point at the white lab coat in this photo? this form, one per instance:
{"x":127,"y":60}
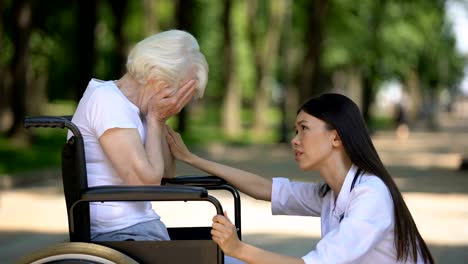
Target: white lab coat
{"x":366,"y":231}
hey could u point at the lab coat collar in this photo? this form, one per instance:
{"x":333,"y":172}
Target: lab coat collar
{"x":343,"y":196}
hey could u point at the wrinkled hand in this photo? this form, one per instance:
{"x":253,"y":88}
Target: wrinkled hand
{"x":166,"y":103}
{"x":224,"y":233}
{"x":177,"y":146}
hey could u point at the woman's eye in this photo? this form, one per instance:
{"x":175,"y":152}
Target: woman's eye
{"x":303,"y":127}
{"x":296,"y":131}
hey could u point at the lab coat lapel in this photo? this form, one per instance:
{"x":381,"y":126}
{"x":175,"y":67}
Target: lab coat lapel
{"x":343,"y":196}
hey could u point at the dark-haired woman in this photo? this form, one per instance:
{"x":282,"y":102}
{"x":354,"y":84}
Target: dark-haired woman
{"x":363,"y":215}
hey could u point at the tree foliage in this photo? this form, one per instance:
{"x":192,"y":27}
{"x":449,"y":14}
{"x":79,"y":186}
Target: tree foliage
{"x":294,"y":48}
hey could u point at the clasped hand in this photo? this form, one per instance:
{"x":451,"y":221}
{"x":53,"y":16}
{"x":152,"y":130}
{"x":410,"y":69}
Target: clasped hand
{"x":224,"y":233}
{"x":167,"y":102}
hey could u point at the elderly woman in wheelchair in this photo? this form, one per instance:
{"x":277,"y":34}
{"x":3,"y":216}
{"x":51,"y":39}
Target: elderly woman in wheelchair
{"x":123,"y":127}
{"x":116,"y":159}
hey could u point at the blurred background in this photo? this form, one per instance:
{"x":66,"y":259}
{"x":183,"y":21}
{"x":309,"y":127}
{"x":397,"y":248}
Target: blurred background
{"x":404,"y":62}
{"x":265,"y":57}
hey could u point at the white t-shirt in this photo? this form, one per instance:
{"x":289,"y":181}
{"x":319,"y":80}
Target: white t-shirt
{"x":103,"y":107}
{"x":365,"y":233}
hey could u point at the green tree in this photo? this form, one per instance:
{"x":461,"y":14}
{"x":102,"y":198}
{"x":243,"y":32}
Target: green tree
{"x":21,"y":32}
{"x":184,"y":16}
{"x":3,"y":74}
{"x":310,"y":81}
{"x":371,"y":41}
{"x":86,"y":21}
{"x":232,"y":100}
{"x":267,"y":48}
{"x":119,"y":11}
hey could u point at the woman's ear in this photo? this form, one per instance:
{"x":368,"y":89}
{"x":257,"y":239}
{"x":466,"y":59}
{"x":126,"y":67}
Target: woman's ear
{"x":336,"y":139}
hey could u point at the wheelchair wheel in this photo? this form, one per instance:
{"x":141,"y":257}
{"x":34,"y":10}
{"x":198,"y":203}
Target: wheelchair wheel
{"x":77,"y":252}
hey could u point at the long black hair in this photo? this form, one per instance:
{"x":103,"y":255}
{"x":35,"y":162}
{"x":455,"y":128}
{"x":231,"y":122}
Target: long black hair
{"x":341,"y":114}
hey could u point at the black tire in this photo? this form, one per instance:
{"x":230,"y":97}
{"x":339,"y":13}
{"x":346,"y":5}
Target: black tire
{"x":77,"y":252}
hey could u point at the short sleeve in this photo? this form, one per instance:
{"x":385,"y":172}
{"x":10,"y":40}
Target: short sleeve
{"x":295,"y":198}
{"x":108,"y":109}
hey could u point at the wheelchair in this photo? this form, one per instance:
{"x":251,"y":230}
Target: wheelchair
{"x":191,"y":244}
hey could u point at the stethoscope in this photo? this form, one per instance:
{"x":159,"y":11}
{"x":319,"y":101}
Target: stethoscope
{"x":356,"y":176}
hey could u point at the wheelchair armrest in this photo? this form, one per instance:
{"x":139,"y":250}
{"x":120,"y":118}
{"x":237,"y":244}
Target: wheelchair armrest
{"x":195,"y":180}
{"x":143,"y":193}
{"x":121,"y":193}
{"x":211,"y":183}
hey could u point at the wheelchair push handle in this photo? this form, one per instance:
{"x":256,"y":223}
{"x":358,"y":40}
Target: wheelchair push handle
{"x":51,"y":122}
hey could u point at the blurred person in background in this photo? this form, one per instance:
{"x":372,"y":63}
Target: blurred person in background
{"x":364,"y":218}
{"x":402,"y":130}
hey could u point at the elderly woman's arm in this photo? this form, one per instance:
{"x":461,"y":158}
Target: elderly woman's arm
{"x":135,"y":163}
{"x":139,"y":164}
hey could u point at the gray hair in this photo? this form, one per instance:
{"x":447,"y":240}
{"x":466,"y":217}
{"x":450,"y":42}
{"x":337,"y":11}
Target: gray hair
{"x":172,"y":56}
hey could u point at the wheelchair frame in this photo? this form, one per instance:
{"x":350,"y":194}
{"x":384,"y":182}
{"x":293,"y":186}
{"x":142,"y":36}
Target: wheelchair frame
{"x":195,"y":242}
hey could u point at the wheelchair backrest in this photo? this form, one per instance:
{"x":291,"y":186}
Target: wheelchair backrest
{"x":75,"y":181}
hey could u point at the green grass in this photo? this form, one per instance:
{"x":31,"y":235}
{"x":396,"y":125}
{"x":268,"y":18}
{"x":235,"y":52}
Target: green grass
{"x":381,"y":123}
{"x":45,"y":148}
{"x":44,"y":152}
{"x":204,"y":128}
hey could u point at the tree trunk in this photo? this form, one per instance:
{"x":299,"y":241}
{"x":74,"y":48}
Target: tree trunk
{"x":3,"y":91}
{"x":22,"y":24}
{"x":87,"y":19}
{"x":150,"y":17}
{"x":232,"y":100}
{"x":354,"y":86}
{"x":370,"y":78}
{"x":310,"y":79}
{"x":36,"y":90}
{"x":413,"y":87}
{"x":367,"y":96}
{"x":184,"y":14}
{"x":269,"y":58}
{"x":119,"y":9}
{"x":253,"y":37}
{"x":432,"y":109}
{"x":288,"y":98}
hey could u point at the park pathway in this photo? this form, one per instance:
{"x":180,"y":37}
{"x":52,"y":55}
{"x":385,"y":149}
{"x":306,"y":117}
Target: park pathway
{"x":425,"y":166}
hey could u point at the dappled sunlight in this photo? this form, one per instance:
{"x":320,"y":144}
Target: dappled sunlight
{"x":35,"y":212}
{"x":422,"y":149}
{"x":423,"y":160}
{"x":424,"y":167}
{"x":442,"y":219}
{"x":430,"y":180}
{"x":417,"y":141}
{"x":36,"y":218}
